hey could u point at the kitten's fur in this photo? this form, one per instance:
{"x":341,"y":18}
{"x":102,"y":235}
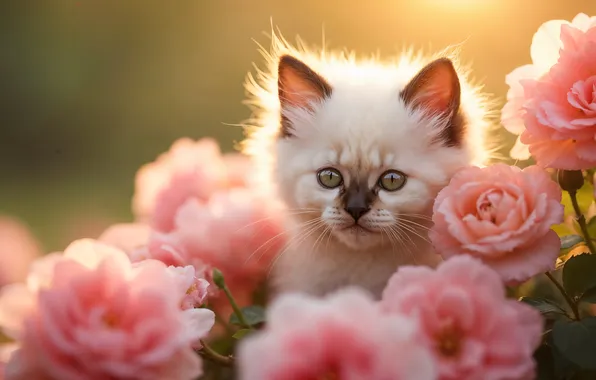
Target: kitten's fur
{"x":318,"y":110}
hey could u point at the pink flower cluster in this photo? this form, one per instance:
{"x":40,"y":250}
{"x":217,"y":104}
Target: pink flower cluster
{"x":450,"y":323}
{"x":129,"y":305}
{"x":89,"y":313}
{"x":551,"y":103}
{"x":195,"y":206}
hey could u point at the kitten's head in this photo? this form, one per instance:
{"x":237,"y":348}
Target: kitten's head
{"x":365,"y":154}
{"x":360,"y":146}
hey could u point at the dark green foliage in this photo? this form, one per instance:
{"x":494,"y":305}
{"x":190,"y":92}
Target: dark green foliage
{"x":549,"y":309}
{"x":254,"y":315}
{"x":576,"y":341}
{"x":579,"y":274}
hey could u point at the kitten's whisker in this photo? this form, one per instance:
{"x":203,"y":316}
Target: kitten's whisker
{"x":399,"y":234}
{"x":312,"y":228}
{"x":412,"y":230}
{"x":384,"y":231}
{"x":289,"y":246}
{"x":328,"y":238}
{"x":284,"y":231}
{"x":302,"y":208}
{"x":401,"y":231}
{"x":418,"y":216}
{"x":319,"y":238}
{"x":274,"y":217}
{"x":397,"y":229}
{"x":415,"y":224}
{"x":395,"y":235}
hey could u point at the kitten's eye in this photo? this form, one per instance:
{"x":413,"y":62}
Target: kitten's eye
{"x":329,"y":178}
{"x":392,"y":180}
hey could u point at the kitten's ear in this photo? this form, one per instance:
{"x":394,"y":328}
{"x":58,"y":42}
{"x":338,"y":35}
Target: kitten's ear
{"x":436,"y":90}
{"x":298,"y":86}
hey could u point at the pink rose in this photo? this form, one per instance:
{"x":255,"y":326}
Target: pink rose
{"x":343,"y":336}
{"x":472,"y":329}
{"x":236,"y":232}
{"x":140,"y":243}
{"x":18,"y":248}
{"x":89,"y":313}
{"x":502,"y":215}
{"x":551,"y":103}
{"x":189,"y":170}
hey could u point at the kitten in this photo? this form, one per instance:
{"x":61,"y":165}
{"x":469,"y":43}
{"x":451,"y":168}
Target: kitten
{"x":357,"y":151}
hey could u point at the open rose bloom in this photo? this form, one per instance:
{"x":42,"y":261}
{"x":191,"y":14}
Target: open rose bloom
{"x":189,"y":170}
{"x":473,"y":330}
{"x":501,"y":215}
{"x":551,"y":103}
{"x":343,"y":336}
{"x":90,"y":314}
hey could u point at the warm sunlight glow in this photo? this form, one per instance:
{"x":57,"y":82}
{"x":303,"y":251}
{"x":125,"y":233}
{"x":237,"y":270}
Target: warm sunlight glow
{"x":458,"y":6}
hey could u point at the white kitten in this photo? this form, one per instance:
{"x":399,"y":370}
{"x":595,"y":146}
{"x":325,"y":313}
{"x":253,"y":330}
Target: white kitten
{"x":357,"y":151}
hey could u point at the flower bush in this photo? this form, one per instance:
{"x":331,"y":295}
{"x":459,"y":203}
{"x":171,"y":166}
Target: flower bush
{"x":179,"y":293}
{"x":89,"y":312}
{"x":551,"y":103}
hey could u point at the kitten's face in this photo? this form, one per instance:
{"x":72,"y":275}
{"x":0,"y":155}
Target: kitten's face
{"x":363,"y":162}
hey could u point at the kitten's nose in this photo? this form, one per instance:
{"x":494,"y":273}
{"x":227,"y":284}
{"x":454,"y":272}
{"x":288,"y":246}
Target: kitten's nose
{"x":357,"y":212}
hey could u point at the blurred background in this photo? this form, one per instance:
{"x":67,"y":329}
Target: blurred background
{"x":92,"y":89}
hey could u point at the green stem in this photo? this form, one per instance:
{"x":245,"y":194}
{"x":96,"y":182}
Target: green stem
{"x":568,"y":299}
{"x":581,"y":220}
{"x":209,"y":353}
{"x":235,"y":307}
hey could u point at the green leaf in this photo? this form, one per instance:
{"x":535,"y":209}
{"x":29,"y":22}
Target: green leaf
{"x":589,"y":295}
{"x":546,"y":307}
{"x":240,"y":333}
{"x":579,"y":274}
{"x":254,"y":315}
{"x":570,"y":241}
{"x":576,"y":341}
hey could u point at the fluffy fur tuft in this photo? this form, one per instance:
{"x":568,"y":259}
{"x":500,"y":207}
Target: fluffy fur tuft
{"x":366,"y":120}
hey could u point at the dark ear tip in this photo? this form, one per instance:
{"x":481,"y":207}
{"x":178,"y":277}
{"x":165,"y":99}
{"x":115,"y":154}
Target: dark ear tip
{"x":286,"y":60}
{"x":445,"y":62}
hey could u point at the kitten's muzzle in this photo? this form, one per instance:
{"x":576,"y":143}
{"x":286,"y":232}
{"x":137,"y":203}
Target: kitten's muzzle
{"x":357,"y":211}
